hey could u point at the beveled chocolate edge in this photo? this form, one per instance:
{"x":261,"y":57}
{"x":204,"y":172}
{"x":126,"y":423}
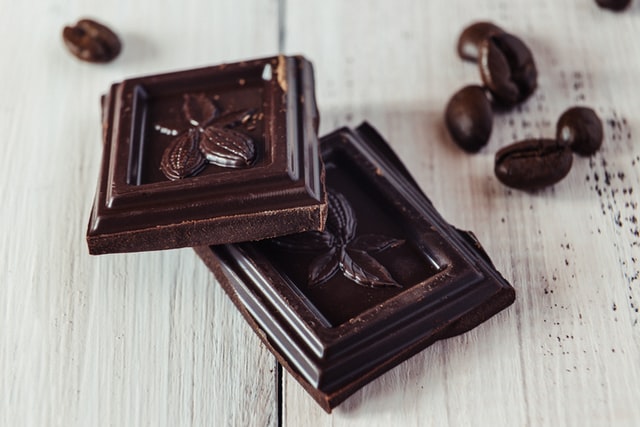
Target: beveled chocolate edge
{"x":338,"y":340}
{"x":233,"y":287}
{"x":228,"y":280}
{"x":260,"y":314}
{"x":298,"y":208}
{"x":117,"y":191}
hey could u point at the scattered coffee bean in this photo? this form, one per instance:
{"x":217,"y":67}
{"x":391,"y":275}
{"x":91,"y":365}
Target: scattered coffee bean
{"x":533,"y":163}
{"x":507,"y":68}
{"x":472,"y":36}
{"x":91,"y":41}
{"x":469,"y":118}
{"x":614,"y":4}
{"x":580,"y":129}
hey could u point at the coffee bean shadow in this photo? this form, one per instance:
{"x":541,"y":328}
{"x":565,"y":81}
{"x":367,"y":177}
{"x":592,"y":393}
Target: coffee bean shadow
{"x":136,"y":48}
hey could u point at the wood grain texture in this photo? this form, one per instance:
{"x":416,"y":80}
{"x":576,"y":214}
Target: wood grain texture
{"x":151,"y":340}
{"x":126,"y":340}
{"x":567,"y":352}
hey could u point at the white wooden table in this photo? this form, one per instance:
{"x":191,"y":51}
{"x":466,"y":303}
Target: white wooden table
{"x":151,"y":340}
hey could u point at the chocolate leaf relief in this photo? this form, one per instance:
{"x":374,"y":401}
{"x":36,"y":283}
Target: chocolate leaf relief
{"x":340,"y":249}
{"x":341,"y":220}
{"x":217,"y":142}
{"x":308,"y":242}
{"x":374,"y":243}
{"x":199,"y":109}
{"x":182,"y":158}
{"x":365,"y":270}
{"x":323,"y":267}
{"x":228,"y":148}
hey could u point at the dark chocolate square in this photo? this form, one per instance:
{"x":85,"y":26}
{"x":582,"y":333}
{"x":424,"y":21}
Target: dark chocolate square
{"x":388,"y":276}
{"x":256,"y":123}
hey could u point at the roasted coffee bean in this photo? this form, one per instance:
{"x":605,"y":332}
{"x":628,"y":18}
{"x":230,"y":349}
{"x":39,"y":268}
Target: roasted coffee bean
{"x":616,"y":5}
{"x":507,"y":68}
{"x":469,"y":118}
{"x":581,"y":129}
{"x":533,"y":163}
{"x":472,"y":36}
{"x":91,"y":41}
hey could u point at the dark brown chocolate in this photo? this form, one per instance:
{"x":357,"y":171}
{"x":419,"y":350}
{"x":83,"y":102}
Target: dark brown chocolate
{"x":209,"y":156}
{"x":387,"y":278}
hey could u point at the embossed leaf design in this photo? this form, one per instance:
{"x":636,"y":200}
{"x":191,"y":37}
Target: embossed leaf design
{"x":199,"y":109}
{"x":340,"y":249}
{"x":217,"y":141}
{"x":374,"y":243}
{"x":323,"y":267}
{"x":365,"y":270}
{"x":182,"y":158}
{"x":307,"y":242}
{"x":341,"y":220}
{"x":228,"y":148}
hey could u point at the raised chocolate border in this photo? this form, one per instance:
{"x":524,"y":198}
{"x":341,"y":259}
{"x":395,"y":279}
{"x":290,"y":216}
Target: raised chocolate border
{"x":334,"y":362}
{"x":283,"y":195}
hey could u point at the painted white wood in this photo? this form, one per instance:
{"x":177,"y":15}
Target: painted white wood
{"x":567,"y":352}
{"x":150,"y":339}
{"x":121,"y":340}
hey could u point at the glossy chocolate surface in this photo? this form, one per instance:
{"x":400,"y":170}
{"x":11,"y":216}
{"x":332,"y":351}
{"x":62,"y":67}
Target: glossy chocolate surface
{"x":209,"y":156}
{"x":388,"y":277}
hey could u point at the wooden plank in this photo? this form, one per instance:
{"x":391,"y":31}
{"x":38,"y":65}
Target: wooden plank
{"x":127,"y":340}
{"x":567,"y":352}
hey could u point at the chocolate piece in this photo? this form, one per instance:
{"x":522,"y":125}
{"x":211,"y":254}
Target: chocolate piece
{"x":533,"y":163}
{"x":91,"y":41}
{"x":469,"y":118}
{"x":581,"y":129}
{"x":209,"y":156}
{"x":387,"y":278}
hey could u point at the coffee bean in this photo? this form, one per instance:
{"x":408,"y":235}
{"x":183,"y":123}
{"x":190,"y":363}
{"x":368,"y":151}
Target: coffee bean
{"x":91,"y":41}
{"x":616,"y":5}
{"x":580,"y":129}
{"x":533,"y":163}
{"x":469,"y":118}
{"x":507,"y":68}
{"x":472,"y":36}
